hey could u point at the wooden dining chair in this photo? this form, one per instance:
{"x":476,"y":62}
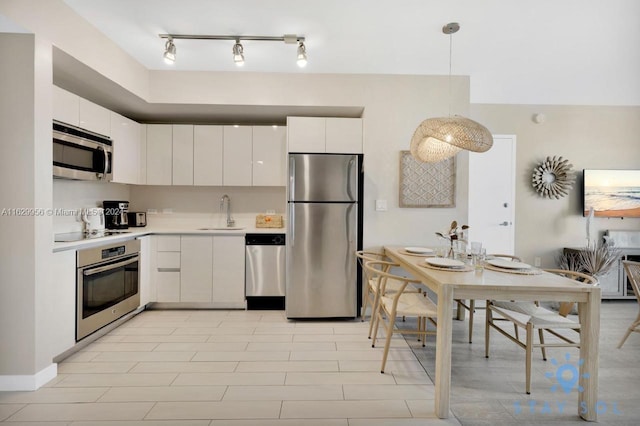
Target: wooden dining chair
{"x":633,"y":275}
{"x":471,"y":304}
{"x":399,"y":303}
{"x":369,"y":290}
{"x":530,"y":316}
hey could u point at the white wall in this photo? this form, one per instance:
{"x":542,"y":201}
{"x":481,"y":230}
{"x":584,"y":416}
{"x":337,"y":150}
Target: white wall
{"x":55,"y":21}
{"x":590,"y":138}
{"x":25,"y":183}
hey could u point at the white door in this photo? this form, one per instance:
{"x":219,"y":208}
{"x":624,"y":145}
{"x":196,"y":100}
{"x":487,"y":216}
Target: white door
{"x":492,"y":196}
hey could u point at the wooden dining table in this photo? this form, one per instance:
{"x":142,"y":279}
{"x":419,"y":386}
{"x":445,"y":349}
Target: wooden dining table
{"x":490,"y":284}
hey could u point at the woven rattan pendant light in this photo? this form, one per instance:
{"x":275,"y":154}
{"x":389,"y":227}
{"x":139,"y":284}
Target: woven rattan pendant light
{"x":437,"y":139}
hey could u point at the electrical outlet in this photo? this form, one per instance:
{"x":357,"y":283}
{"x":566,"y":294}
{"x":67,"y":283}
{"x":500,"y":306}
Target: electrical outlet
{"x":381,"y":205}
{"x":536,"y":261}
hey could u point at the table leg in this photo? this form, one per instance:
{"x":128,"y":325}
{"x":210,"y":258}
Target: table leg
{"x":589,"y":314}
{"x":443,"y":351}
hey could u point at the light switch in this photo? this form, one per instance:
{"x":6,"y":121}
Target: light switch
{"x":381,"y":205}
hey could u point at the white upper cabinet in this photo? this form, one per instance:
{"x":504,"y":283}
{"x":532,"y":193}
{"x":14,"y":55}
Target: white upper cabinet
{"x":66,"y":106}
{"x":344,"y":135}
{"x":269,"y":155}
{"x":326,"y":135}
{"x":95,"y":118}
{"x":126,"y":149}
{"x":182,"y":154}
{"x":306,"y":134}
{"x":237,"y":155}
{"x":207,"y":155}
{"x":142,"y":155}
{"x":159,"y":154}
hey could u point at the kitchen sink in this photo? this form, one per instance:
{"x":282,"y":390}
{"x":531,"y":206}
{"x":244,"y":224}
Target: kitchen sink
{"x":222,"y":228}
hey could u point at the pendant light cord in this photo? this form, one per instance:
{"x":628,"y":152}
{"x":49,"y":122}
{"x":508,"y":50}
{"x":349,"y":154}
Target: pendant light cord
{"x":450,"y":51}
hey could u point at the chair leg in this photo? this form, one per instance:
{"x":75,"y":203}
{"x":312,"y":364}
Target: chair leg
{"x":376,"y":323}
{"x":629,"y":331}
{"x":373,"y":319}
{"x":424,"y":330}
{"x":626,"y":335}
{"x":364,"y":305}
{"x":515,"y":329}
{"x":387,"y":342}
{"x":529,"y":356}
{"x":487,"y":331}
{"x":472,"y":307}
{"x":542,"y":347}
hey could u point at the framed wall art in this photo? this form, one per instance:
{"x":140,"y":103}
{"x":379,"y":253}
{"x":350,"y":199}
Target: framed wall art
{"x":427,"y":184}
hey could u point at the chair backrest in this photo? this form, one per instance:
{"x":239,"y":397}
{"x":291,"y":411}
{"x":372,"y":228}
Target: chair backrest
{"x":633,"y":274}
{"x":379,"y":271}
{"x":566,"y":307}
{"x":506,"y":256}
{"x":369,"y":255}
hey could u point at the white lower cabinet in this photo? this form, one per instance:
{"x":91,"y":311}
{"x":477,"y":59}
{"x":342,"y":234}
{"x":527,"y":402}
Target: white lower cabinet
{"x":147,"y":291}
{"x":167,"y":270}
{"x":228,"y":271}
{"x":200,"y":269}
{"x":196,"y":269}
{"x":60,"y":325}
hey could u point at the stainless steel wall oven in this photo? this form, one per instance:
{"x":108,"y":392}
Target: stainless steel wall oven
{"x":107,"y":285}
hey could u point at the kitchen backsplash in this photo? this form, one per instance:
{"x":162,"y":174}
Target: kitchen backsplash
{"x":175,"y":205}
{"x":71,"y":196}
{"x":206,"y":199}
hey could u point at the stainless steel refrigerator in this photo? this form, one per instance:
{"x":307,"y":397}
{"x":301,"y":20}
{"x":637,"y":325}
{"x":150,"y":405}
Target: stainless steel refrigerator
{"x":324,"y":231}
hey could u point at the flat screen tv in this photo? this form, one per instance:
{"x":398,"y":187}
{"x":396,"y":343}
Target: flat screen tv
{"x":611,"y":193}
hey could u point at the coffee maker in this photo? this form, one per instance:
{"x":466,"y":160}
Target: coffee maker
{"x":115,"y":214}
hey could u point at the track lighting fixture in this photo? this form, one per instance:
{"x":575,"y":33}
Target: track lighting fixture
{"x":169,"y":51}
{"x":238,"y":49}
{"x":238,"y":54}
{"x":302,"y":55}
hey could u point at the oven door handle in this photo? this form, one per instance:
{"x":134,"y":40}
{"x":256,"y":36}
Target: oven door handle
{"x":94,"y":271}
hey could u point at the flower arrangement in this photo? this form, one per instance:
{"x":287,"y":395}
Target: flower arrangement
{"x":453,"y":234}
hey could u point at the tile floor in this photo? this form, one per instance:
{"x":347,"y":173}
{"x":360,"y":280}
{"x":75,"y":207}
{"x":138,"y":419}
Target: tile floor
{"x":256,"y":368}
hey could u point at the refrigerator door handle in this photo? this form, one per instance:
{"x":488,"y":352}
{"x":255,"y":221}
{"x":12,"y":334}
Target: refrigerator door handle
{"x":292,"y":177}
{"x":352,"y":177}
{"x":292,"y":225}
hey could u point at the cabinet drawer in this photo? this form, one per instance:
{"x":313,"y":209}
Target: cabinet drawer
{"x":168,"y":260}
{"x":169,"y":243}
{"x":168,"y":286}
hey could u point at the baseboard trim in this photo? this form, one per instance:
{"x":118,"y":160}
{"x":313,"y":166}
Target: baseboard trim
{"x":28,"y":382}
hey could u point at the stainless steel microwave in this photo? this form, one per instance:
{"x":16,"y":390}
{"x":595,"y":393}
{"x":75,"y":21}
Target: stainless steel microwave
{"x":80,"y":154}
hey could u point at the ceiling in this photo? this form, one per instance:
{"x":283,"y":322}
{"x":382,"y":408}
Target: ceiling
{"x":580,"y":52}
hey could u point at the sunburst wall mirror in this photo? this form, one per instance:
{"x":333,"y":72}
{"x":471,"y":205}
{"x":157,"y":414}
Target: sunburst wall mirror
{"x":553,"y":177}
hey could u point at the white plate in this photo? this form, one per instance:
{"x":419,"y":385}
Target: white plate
{"x":419,"y":250}
{"x":444,"y":262}
{"x":507,"y":264}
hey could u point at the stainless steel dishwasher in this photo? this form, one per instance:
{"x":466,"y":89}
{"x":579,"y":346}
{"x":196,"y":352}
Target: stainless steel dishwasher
{"x":265,"y":271}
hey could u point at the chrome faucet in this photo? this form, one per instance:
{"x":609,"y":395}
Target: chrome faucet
{"x":230,"y":221}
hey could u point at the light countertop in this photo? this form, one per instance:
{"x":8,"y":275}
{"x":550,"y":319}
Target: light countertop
{"x":162,"y":230}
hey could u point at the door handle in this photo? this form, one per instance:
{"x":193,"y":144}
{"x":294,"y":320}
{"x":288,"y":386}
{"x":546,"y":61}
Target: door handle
{"x":505,"y":223}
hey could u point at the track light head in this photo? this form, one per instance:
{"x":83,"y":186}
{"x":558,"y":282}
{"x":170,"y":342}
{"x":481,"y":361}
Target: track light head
{"x":169,"y":52}
{"x":302,"y":55}
{"x":238,"y":53}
